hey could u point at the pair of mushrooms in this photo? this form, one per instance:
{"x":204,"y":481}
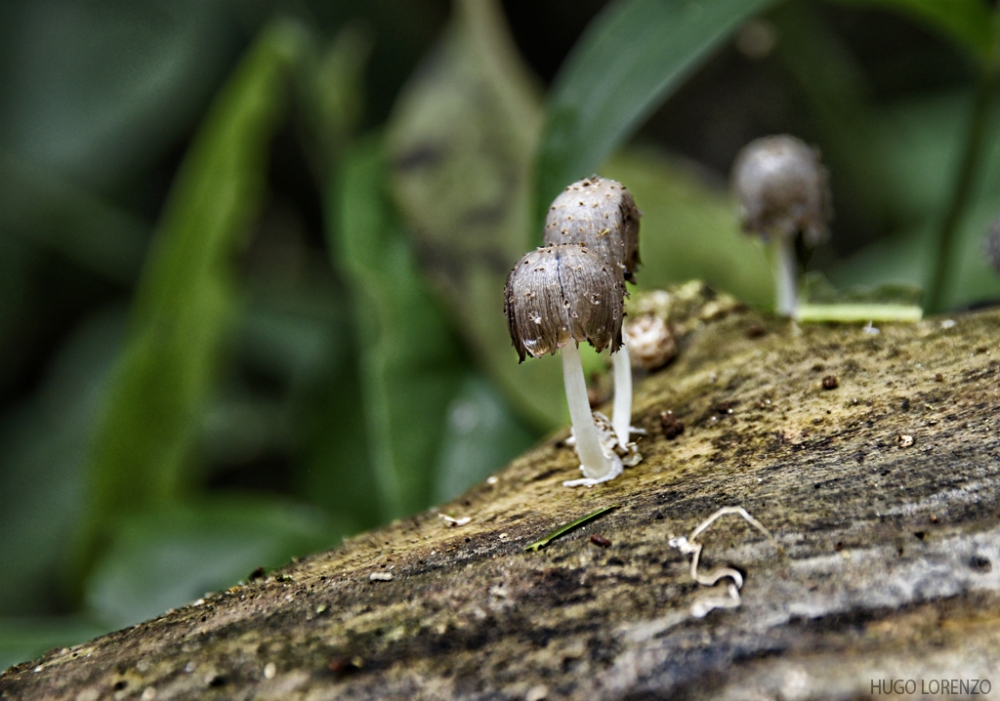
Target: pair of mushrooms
{"x":572,"y":290}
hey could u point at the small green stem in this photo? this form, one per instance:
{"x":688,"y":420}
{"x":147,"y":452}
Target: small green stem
{"x":971,"y":159}
{"x":857,"y":312}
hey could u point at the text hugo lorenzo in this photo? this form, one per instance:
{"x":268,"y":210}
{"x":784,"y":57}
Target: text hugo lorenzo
{"x":931,"y":686}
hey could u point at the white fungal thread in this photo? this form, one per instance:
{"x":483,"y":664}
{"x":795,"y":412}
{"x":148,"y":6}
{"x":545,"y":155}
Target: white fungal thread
{"x":690,"y":546}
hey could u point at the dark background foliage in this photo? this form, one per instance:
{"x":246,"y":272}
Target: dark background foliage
{"x":251,"y":252}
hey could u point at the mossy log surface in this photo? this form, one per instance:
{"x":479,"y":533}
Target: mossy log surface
{"x":882,"y":493}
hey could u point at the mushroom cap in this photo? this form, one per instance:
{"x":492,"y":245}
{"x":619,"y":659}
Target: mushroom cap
{"x":993,"y":244}
{"x":558,"y":294}
{"x":783,"y":189}
{"x":598,"y":213}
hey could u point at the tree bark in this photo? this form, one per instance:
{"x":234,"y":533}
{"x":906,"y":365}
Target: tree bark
{"x":882,"y":493}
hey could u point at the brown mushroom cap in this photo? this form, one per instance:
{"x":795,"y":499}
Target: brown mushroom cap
{"x":598,"y":213}
{"x":558,"y":294}
{"x":783,"y":189}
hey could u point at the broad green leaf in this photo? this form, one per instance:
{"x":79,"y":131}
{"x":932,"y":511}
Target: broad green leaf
{"x":969,"y":23}
{"x":631,"y":58}
{"x":689,"y":230}
{"x":482,"y":435}
{"x":187,"y":296}
{"x":411,"y":366}
{"x":461,"y":140}
{"x":170,"y":557}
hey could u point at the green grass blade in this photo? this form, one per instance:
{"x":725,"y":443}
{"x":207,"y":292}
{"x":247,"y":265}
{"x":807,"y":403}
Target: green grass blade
{"x":632,"y":57}
{"x":563,"y":530}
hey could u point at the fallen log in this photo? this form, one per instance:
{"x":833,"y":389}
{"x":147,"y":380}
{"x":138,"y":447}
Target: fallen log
{"x":874,"y":459}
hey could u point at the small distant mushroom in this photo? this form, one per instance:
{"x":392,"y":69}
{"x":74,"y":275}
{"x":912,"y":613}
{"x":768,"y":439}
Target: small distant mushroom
{"x":783,"y":191}
{"x":557,"y":297}
{"x":993,"y":244}
{"x":599,"y":213}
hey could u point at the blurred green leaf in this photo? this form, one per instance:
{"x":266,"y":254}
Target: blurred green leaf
{"x":17,"y":261}
{"x":101,"y":89}
{"x":836,"y":87}
{"x":461,"y":140}
{"x":689,"y":229}
{"x":24,"y":638}
{"x":919,"y":147}
{"x":187,"y":295}
{"x":482,"y":435}
{"x":968,"y":23}
{"x":635,"y":54}
{"x":43,"y":444}
{"x":48,"y":210}
{"x":817,"y":290}
{"x":336,"y":470}
{"x":411,"y":366}
{"x":331,"y":97}
{"x":169,"y":557}
{"x":305,"y":340}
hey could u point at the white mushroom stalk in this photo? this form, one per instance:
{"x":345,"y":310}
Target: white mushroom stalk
{"x":600,"y":214}
{"x":621,"y":419}
{"x":782,"y":189}
{"x":596,"y":465}
{"x":557,"y":297}
{"x":786,"y":275}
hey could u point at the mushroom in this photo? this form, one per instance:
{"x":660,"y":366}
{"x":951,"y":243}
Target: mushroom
{"x":783,"y":191}
{"x":600,"y":214}
{"x":557,"y":297}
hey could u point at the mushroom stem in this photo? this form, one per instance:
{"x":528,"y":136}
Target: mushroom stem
{"x":622,"y":417}
{"x":588,"y":444}
{"x":785,"y":275}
